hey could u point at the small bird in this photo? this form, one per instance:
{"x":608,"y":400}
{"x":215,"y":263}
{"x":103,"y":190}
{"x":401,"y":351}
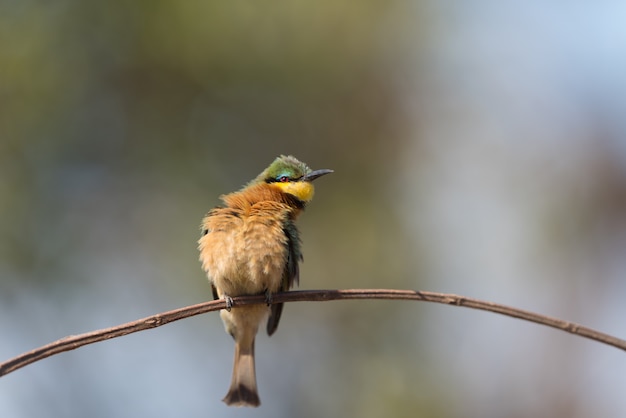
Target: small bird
{"x":251,"y":246}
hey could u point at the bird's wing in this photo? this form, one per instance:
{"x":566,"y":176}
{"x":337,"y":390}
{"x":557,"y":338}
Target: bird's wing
{"x":291,"y":273}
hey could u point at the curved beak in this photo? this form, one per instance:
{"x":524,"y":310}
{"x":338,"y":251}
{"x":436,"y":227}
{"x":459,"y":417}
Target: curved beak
{"x":315,"y":174}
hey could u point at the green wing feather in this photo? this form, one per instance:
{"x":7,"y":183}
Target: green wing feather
{"x":291,"y":273}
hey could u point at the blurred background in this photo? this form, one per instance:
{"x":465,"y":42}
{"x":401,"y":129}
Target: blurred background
{"x":478,"y":146}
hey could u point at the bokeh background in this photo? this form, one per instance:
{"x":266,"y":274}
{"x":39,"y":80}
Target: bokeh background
{"x":478,"y":146}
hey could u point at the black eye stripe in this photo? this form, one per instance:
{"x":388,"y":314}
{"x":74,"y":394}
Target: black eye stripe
{"x":280,"y":178}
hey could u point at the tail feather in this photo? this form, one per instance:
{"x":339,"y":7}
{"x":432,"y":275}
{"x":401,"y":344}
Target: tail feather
{"x":243,"y":390}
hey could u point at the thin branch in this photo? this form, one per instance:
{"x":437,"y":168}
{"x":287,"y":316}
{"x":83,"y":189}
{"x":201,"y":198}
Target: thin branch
{"x":74,"y":341}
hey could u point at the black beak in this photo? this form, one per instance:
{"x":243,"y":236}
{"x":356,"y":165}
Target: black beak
{"x":315,"y":174}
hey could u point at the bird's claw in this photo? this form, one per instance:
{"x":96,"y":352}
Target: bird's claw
{"x":268,"y":297}
{"x":229,"y":302}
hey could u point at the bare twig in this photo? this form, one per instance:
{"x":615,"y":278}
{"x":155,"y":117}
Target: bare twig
{"x":74,"y":341}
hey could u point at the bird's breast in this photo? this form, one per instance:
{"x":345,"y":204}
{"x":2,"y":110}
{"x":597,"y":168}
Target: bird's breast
{"x":244,"y":252}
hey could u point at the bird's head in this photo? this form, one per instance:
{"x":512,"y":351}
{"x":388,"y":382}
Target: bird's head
{"x":291,"y":176}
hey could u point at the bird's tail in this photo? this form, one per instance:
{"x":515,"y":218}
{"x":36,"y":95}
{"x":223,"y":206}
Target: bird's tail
{"x":243,"y":391}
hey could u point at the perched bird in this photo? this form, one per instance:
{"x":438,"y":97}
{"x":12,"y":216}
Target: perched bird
{"x":251,"y":246}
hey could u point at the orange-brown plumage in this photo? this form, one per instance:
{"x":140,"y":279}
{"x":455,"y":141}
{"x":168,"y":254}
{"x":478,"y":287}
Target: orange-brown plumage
{"x":246,"y":249}
{"x":251,"y":246}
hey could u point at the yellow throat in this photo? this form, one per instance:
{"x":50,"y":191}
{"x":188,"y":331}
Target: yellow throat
{"x":303,"y":190}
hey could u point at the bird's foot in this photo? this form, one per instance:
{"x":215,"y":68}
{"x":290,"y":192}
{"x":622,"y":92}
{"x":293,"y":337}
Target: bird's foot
{"x":268,"y":297}
{"x":229,"y":302}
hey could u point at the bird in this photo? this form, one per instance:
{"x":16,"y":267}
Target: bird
{"x":250,"y":246}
